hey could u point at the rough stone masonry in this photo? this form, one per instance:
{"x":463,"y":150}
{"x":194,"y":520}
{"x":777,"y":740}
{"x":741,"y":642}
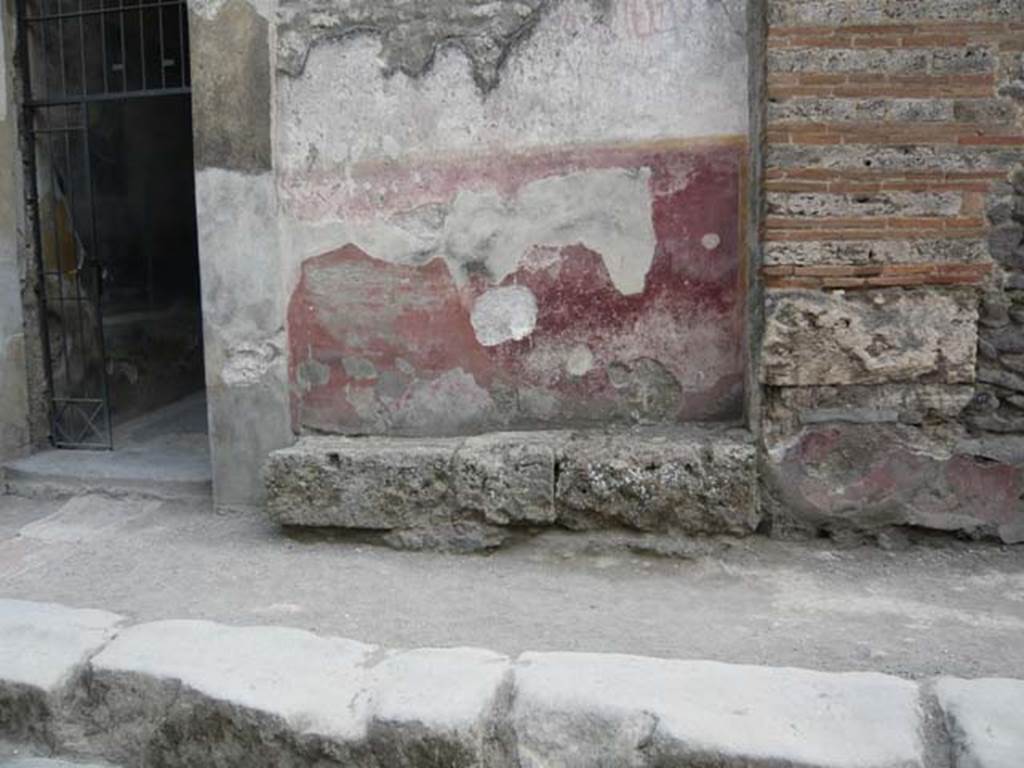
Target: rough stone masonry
{"x":893,"y":183}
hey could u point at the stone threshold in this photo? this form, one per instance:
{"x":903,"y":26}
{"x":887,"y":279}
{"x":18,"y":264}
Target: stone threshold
{"x":89,"y":686}
{"x":479,"y":492}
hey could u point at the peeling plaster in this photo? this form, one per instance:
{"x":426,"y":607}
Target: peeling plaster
{"x":481,"y":231}
{"x":411,"y":34}
{"x":248,"y":363}
{"x":504,"y":314}
{"x":580,"y":360}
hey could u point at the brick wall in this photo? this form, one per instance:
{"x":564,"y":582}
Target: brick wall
{"x":892,"y":128}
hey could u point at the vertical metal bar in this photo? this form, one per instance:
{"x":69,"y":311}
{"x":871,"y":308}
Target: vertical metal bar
{"x":59,"y":268}
{"x":46,"y":61}
{"x":124,"y":52}
{"x":142,"y":46}
{"x":81,"y":43}
{"x":182,"y":21}
{"x":103,"y":43}
{"x":98,"y":276}
{"x":60,"y":47}
{"x":163,"y":58}
{"x":70,"y":181}
{"x":29,"y":150}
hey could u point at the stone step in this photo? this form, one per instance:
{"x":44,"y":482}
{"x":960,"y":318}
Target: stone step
{"x":196,"y":693}
{"x":465,"y":493}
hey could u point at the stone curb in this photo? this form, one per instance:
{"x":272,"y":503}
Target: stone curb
{"x":88,"y":685}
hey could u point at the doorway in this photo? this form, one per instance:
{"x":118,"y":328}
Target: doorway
{"x":110,"y":194}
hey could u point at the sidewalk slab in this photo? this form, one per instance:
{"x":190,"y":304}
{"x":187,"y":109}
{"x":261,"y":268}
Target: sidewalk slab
{"x":985,"y":719}
{"x":287,"y":694}
{"x":591,"y":709}
{"x":42,"y":647}
{"x":45,"y":643}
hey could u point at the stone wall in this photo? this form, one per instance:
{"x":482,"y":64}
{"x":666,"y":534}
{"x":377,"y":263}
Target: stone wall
{"x":892,"y":128}
{"x":14,"y":432}
{"x":998,"y":406}
{"x":447,"y":218}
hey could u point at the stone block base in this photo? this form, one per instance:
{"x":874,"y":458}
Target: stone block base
{"x":866,"y":478}
{"x":476,"y":492}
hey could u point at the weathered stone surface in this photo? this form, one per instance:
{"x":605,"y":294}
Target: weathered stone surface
{"x":865,"y":204}
{"x":377,"y":484}
{"x":834,"y":12}
{"x":508,"y":478}
{"x":198,"y":693}
{"x":231,"y":87}
{"x":905,"y":403}
{"x":866,"y":477}
{"x":412,"y":33}
{"x":875,"y":252}
{"x":983,"y":718}
{"x":45,"y":762}
{"x":691,"y":482}
{"x":1007,"y":339}
{"x":466,"y":493}
{"x":194,"y":693}
{"x":969,"y":59}
{"x":823,"y":338}
{"x":42,"y":647}
{"x":586,"y":709}
{"x":905,"y":158}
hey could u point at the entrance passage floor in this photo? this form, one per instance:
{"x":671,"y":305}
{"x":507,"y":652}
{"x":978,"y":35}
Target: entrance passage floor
{"x":165,"y":453}
{"x":953,"y":608}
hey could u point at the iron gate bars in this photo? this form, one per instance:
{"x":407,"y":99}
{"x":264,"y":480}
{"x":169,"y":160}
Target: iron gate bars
{"x":74,"y":54}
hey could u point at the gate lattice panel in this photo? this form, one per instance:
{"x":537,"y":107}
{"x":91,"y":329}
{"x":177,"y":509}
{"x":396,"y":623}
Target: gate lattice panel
{"x":75,"y":54}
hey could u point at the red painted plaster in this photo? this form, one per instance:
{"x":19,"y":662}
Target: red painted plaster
{"x":352,"y":310}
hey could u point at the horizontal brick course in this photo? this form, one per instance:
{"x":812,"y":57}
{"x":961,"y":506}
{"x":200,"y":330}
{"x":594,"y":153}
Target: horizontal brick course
{"x":786,"y":85}
{"x":833,"y":276}
{"x":922,"y":35}
{"x":961,"y":59}
{"x":893,"y":133}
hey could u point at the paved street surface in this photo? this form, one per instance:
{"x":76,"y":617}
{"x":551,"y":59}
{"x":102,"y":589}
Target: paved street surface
{"x":955,"y":609}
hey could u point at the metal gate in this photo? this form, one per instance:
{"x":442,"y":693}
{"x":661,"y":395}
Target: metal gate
{"x":74,"y":55}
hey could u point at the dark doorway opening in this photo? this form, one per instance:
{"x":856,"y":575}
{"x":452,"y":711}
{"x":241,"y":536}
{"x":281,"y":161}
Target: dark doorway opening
{"x":110,"y":193}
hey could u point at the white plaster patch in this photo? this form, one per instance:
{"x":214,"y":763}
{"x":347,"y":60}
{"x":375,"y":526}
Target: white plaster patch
{"x":607,"y":210}
{"x":710,"y":241}
{"x":580,"y":360}
{"x":504,"y":314}
{"x":248,"y":363}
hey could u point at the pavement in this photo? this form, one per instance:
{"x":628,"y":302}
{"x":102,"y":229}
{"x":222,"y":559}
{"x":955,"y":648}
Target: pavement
{"x":920,"y":609}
